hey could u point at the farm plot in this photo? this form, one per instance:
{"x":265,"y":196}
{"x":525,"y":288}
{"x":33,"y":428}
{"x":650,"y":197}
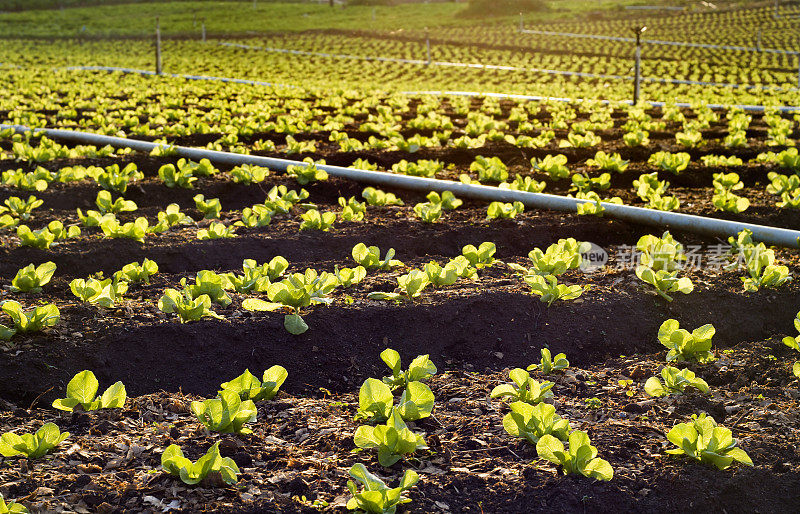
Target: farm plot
{"x":317,"y":301}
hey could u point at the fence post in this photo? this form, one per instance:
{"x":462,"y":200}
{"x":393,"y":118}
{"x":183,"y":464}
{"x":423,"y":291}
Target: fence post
{"x":158,"y":47}
{"x":428,"y":46}
{"x":203,"y":30}
{"x":637,"y":66}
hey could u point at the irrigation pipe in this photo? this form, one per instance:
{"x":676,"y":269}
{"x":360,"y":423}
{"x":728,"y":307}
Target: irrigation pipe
{"x":479,"y":66}
{"x":659,"y":42}
{"x":685,"y":222}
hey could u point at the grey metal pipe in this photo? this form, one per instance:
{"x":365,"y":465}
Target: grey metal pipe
{"x":686,"y":222}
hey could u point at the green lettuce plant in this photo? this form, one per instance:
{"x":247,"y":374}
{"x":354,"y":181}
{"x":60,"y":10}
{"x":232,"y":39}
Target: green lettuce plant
{"x":684,"y":345}
{"x":420,"y":369}
{"x":375,"y":401}
{"x":18,"y":208}
{"x":135,"y":272}
{"x":532,"y":422}
{"x":11,"y":507}
{"x":394,"y":440}
{"x":428,"y":212}
{"x":377,"y":497}
{"x":104,"y":293}
{"x":172,"y":177}
{"x":30,"y":279}
{"x":380,"y":198}
{"x":548,"y":288}
{"x":210,"y":208}
{"x":34,"y":320}
{"x":674,"y":381}
{"x":307,"y":173}
{"x":549,"y":364}
{"x":216,"y":230}
{"x":248,"y":387}
{"x":664,"y":281}
{"x":580,"y":458}
{"x":248,"y":174}
{"x":504,"y":210}
{"x":256,"y":216}
{"x":227,"y":413}
{"x":523,"y":388}
{"x":348,"y":277}
{"x":106,"y":205}
{"x":792,"y":342}
{"x":480,"y":257}
{"x":703,"y":440}
{"x":447,"y":199}
{"x":409,"y":287}
{"x":208,"y":283}
{"x":32,"y":446}
{"x":370,"y":257}
{"x":316,"y":220}
{"x":553,"y":165}
{"x":192,"y":473}
{"x":527,"y":184}
{"x":82,"y":392}
{"x":136,"y":230}
{"x":186,"y":307}
{"x":489,"y":169}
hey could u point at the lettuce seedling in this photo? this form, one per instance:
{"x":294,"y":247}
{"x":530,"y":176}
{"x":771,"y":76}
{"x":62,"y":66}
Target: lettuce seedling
{"x":583,"y":183}
{"x":532,"y":422}
{"x":172,"y":177}
{"x":489,"y":169}
{"x":674,"y":381}
{"x":257,"y":278}
{"x":550,"y":364}
{"x":428,"y":212}
{"x":247,"y":174}
{"x":191,"y":473}
{"x":370,"y":257}
{"x":703,"y":440}
{"x":410,"y":286}
{"x":527,"y":184}
{"x":171,"y":217}
{"x":19,"y":208}
{"x":548,"y":288}
{"x":248,"y":387}
{"x":307,"y":173}
{"x":420,"y":369}
{"x":11,"y":507}
{"x":41,"y":239}
{"x":348,"y":277}
{"x":30,"y":279}
{"x":106,"y":205}
{"x":296,"y":292}
{"x":665,"y":281}
{"x":674,"y":163}
{"x":257,"y":216}
{"x":352,"y":210}
{"x":114,"y":179}
{"x":439,"y":275}
{"x":760,"y":265}
{"x":82,"y":391}
{"x":686,"y":346}
{"x":447,"y":199}
{"x":188,"y":308}
{"x":216,"y":231}
{"x":524,"y":388}
{"x":504,"y":210}
{"x":792,"y":342}
{"x":208,"y":283}
{"x":316,"y":220}
{"x":608,"y":162}
{"x":135,"y":230}
{"x":380,"y":198}
{"x":416,"y":402}
{"x":210,"y":208}
{"x":394,"y":440}
{"x":33,"y":320}
{"x":480,"y":257}
{"x":32,"y":446}
{"x":553,"y":165}
{"x":377,"y":497}
{"x":281,"y":199}
{"x":94,"y":218}
{"x":561,"y":256}
{"x":227,"y":413}
{"x":581,"y":458}
{"x":99,"y":292}
{"x":135,"y":272}
{"x":375,"y":401}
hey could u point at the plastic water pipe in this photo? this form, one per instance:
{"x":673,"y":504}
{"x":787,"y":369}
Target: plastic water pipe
{"x":701,"y":225}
